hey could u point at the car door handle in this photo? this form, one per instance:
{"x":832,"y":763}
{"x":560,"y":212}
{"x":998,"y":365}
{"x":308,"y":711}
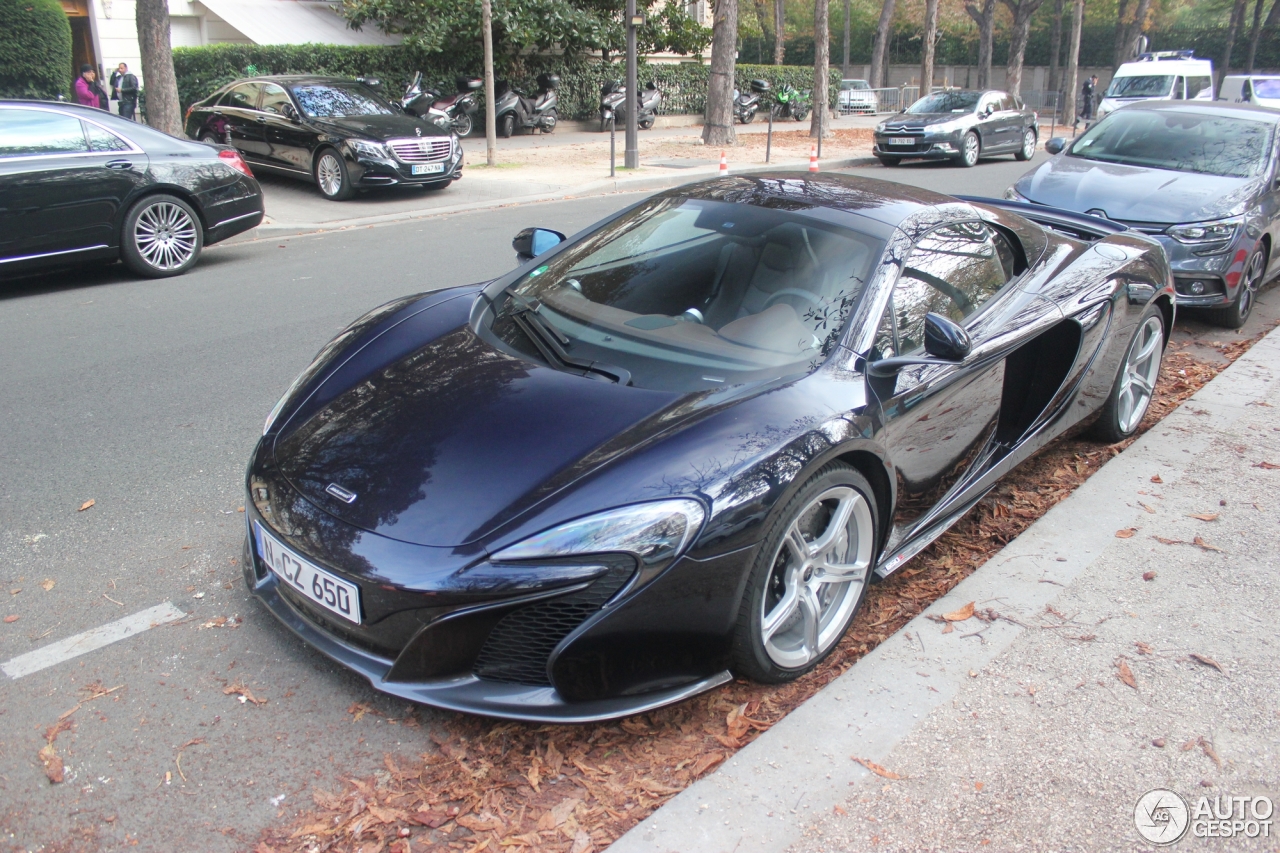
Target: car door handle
{"x":260,"y":119}
{"x":120,"y":164}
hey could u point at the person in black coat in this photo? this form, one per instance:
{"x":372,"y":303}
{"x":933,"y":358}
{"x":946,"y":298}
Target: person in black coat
{"x":124,"y":88}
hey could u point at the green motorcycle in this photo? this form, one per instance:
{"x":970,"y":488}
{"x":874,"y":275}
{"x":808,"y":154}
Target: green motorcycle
{"x":790,"y":102}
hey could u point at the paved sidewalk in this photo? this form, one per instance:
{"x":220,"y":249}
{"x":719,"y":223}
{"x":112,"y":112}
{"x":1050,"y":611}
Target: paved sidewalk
{"x":1025,"y":732}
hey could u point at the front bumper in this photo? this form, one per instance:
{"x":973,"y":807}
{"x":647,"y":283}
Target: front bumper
{"x":383,"y":172}
{"x":1206,"y":281}
{"x":927,"y":146}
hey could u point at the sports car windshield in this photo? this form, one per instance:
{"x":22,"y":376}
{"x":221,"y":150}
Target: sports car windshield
{"x":686,"y":294}
{"x":339,"y":101}
{"x":1146,"y":86}
{"x":1180,"y":142}
{"x":945,"y":102}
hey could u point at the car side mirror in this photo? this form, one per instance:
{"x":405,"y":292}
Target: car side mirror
{"x":944,"y":338}
{"x":1056,"y":145}
{"x":289,"y":112}
{"x":532,"y":242}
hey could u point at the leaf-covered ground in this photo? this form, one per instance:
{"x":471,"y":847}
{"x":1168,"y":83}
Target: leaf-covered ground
{"x":501,"y":786}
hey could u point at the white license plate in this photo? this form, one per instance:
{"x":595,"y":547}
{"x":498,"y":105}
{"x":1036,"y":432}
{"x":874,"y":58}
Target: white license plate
{"x":428,"y":168}
{"x":907,"y":141}
{"x":312,"y":581}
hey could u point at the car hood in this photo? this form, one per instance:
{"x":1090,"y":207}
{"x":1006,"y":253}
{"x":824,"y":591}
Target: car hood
{"x":923,"y":119}
{"x":1134,"y":193}
{"x":442,"y":445}
{"x":380,"y":127}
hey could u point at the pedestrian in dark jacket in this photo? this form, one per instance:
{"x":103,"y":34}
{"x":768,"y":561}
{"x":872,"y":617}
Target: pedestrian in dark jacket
{"x":124,"y":88}
{"x":1087,"y":92}
{"x":88,"y":92}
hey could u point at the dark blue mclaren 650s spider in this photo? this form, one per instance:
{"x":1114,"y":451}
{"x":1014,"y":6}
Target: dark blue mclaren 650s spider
{"x":676,"y":446}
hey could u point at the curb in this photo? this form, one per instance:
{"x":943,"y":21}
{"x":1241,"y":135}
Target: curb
{"x":764,"y":797}
{"x":601,"y":187}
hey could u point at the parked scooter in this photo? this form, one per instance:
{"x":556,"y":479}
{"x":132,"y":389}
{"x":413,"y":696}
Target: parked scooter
{"x":613,"y":105}
{"x":513,"y":109}
{"x":460,"y":107}
{"x":746,"y":104}
{"x":791,"y":103}
{"x":420,"y":101}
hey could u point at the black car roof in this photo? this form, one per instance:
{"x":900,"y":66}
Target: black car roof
{"x":292,"y":79}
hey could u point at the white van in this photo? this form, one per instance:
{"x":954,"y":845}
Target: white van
{"x":1170,"y":75}
{"x":1260,"y":89}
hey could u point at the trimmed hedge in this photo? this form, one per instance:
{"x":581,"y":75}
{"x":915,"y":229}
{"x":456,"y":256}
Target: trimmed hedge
{"x":202,"y":70}
{"x":35,"y":50}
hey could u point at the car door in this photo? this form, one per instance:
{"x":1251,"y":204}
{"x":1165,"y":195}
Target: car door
{"x":63,"y":182}
{"x":939,"y":419}
{"x":990,"y":126}
{"x":246,"y":127}
{"x":289,"y":142}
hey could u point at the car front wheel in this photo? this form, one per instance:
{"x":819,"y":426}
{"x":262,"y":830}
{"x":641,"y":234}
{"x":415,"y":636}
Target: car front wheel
{"x":331,"y":176}
{"x":1028,"y":149}
{"x":970,"y":149}
{"x":1237,"y":313}
{"x":889,"y":161}
{"x":809,"y":577}
{"x":1136,"y":383}
{"x":162,"y":236}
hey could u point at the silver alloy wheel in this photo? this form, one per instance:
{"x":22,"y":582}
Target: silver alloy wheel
{"x":329,"y":174}
{"x":819,"y":570}
{"x":971,"y":149}
{"x":1141,"y":368}
{"x":1029,"y":144}
{"x":165,"y":236}
{"x":1250,"y":283}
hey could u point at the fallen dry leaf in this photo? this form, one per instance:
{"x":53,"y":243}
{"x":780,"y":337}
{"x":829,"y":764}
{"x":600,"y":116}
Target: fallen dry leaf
{"x":1149,"y":576}
{"x":13,"y":617}
{"x":1200,"y":543}
{"x":1156,"y":478}
{"x":48,"y":584}
{"x":358,"y":710}
{"x":1126,"y":533}
{"x":876,"y":768}
{"x":1125,"y":674}
{"x":86,"y":505}
{"x":1269,"y":466}
{"x":244,"y":693}
{"x":1143,"y":648}
{"x":977,"y":786}
{"x":948,"y":628}
{"x":1207,"y":661}
{"x":1164,"y":541}
{"x":959,"y":615}
{"x":838,"y":810}
{"x":1203,"y":516}
{"x":53,"y":766}
{"x":582,"y":843}
{"x":1207,"y":748}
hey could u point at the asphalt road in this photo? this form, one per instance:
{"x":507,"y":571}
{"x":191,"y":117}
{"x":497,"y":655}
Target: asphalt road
{"x":146,"y":398}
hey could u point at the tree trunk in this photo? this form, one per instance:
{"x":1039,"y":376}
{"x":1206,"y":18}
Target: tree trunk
{"x":1237,"y":18}
{"x":161,"y":84}
{"x":718,"y":126}
{"x":1022,"y":11}
{"x":764,"y":16}
{"x":880,"y":47}
{"x":928,"y":45}
{"x":490,"y":123}
{"x":986,"y":21}
{"x":1273,"y":17}
{"x":1055,"y":43}
{"x":1132,"y":30}
{"x":1253,"y":36}
{"x":779,"y":32}
{"x":844,"y":66}
{"x":819,"y":124}
{"x":1120,"y":52}
{"x":1071,"y":84}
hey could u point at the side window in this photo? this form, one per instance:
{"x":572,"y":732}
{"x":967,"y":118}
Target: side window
{"x":1197,"y":85}
{"x":953,"y":271}
{"x":989,"y":103}
{"x":1008,"y":103}
{"x":244,"y":96}
{"x":273,"y":99}
{"x":886,"y":345}
{"x":101,"y":140}
{"x":24,"y":133}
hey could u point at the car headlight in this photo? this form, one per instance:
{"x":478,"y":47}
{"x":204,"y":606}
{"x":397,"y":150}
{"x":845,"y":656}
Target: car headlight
{"x":654,"y":533}
{"x":880,"y":127}
{"x":1206,"y":232}
{"x":1013,"y":195}
{"x":365,"y":148}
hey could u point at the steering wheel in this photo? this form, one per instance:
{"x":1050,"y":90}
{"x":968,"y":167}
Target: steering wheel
{"x":793,"y":291}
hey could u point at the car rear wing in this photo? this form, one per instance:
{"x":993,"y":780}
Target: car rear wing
{"x":1081,"y":226}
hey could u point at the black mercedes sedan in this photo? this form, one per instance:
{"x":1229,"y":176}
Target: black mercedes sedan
{"x":80,"y":184}
{"x":678,"y":446}
{"x":958,"y":125}
{"x":338,"y":133}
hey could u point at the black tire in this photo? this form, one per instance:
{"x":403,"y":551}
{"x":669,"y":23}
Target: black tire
{"x":1028,"y":149}
{"x":889,"y":161}
{"x":766,"y":587}
{"x":506,"y":125}
{"x":1236,"y":314}
{"x":970,"y":150}
{"x":801,"y":114}
{"x":750,"y":116}
{"x":647,"y":122}
{"x":210,"y":138}
{"x":330,"y":174}
{"x":162,"y":236}
{"x":1116,"y":423}
{"x":462,"y":124}
{"x":549,"y":121}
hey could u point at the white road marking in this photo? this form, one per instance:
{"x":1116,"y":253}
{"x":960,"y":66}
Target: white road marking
{"x":94,"y":638}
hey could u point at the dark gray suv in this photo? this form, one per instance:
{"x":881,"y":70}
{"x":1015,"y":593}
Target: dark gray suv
{"x":960,"y":125}
{"x":1200,"y":177}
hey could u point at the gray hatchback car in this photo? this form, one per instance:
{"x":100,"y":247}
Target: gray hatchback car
{"x":1202,"y":178}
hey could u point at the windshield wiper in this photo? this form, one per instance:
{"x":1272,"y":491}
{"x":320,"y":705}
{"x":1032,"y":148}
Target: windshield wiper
{"x":551,"y":342}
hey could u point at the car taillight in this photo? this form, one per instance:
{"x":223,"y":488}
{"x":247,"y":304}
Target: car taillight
{"x":234,"y":160}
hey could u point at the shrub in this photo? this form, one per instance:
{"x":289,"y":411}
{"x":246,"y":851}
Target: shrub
{"x":35,"y":49}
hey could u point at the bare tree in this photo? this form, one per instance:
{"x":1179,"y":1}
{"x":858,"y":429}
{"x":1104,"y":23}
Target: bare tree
{"x":1253,"y":36}
{"x":1022,"y":11}
{"x":779,"y":31}
{"x":844,"y":66}
{"x":819,"y":125}
{"x":764,"y":16}
{"x":928,"y":46}
{"x":1055,"y":43}
{"x":880,"y":47}
{"x":1128,"y":30}
{"x":490,"y":123}
{"x":163,"y":112}
{"x":717,"y":128}
{"x":986,"y":21}
{"x":1237,"y":20}
{"x":1070,"y":85}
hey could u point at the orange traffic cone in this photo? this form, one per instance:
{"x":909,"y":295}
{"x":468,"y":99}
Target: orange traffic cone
{"x":724,"y":164}
{"x":813,"y":158}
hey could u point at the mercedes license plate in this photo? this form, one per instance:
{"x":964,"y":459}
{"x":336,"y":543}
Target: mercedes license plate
{"x":309,"y":579}
{"x":428,"y":168}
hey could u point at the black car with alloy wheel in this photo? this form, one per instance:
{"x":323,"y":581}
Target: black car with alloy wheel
{"x":338,"y":133}
{"x":960,"y":125}
{"x":80,"y":184}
